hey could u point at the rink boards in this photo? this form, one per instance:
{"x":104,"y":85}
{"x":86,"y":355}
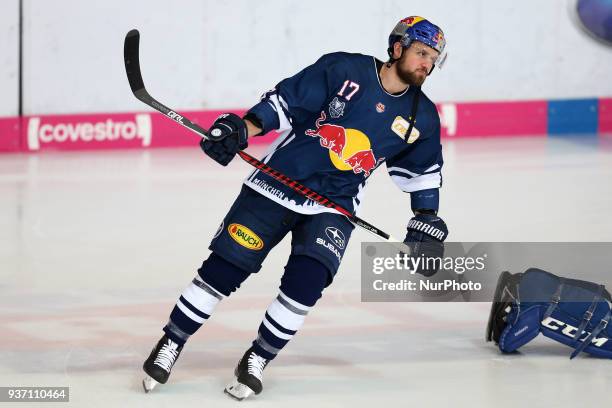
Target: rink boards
{"x":149,"y":130}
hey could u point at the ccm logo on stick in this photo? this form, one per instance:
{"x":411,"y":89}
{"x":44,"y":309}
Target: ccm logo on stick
{"x":175,"y":116}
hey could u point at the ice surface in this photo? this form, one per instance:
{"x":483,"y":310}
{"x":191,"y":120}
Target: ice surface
{"x":96,"y":247}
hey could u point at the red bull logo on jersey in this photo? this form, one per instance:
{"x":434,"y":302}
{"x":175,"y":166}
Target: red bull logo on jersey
{"x":332,"y":137}
{"x":349,"y":149}
{"x":362,"y":161}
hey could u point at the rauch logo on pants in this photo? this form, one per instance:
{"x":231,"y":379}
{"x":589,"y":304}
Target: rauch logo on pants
{"x":245,"y":237}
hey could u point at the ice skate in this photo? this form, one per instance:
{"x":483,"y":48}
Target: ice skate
{"x":248,"y":374}
{"x":160,"y":362}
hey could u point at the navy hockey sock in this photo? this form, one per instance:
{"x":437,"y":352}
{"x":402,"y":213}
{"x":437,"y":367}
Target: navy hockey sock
{"x":301,"y":286}
{"x":216,"y":279}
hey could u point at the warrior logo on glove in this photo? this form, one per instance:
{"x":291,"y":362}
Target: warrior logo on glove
{"x":427,"y":228}
{"x":425,"y":237}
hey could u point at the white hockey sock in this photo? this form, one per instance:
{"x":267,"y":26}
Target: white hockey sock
{"x":194,"y":306}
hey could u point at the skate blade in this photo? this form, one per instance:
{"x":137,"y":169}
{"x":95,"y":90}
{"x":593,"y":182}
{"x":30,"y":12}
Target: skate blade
{"x":238,"y":391}
{"x":148,"y":384}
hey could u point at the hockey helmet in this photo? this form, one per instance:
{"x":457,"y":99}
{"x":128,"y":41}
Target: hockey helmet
{"x":415,"y":28}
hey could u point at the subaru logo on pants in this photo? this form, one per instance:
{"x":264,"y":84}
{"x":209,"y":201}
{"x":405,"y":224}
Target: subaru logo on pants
{"x":336,"y":236}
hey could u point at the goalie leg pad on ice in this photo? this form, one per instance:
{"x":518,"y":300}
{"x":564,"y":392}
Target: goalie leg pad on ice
{"x":570,"y":311}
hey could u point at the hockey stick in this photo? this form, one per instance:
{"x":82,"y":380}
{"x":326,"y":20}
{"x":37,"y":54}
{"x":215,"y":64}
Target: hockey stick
{"x":132,"y":68}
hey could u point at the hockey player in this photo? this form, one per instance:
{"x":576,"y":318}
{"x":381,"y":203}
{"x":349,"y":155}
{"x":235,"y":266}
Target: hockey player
{"x":339,"y":119}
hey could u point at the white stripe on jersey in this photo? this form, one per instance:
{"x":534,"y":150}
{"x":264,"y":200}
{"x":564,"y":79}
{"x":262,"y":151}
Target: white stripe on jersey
{"x":308,"y":208}
{"x":401,"y":170}
{"x":280,"y":106}
{"x":432,"y":168}
{"x":358,"y":199}
{"x":424,"y":182}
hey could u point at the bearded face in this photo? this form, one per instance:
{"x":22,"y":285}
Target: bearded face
{"x":413,"y":77}
{"x":415,"y":63}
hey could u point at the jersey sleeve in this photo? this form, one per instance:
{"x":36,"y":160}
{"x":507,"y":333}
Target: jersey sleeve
{"x":298,"y":97}
{"x":420,"y":166}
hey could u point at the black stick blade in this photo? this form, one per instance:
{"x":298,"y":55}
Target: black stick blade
{"x":132,"y":62}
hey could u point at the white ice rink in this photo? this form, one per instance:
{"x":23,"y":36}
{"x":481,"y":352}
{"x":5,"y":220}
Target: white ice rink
{"x":96,"y":247}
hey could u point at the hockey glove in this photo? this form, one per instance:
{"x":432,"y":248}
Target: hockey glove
{"x":227,"y":136}
{"x":425,"y":237}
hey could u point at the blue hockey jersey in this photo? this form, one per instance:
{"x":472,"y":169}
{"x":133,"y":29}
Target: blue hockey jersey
{"x":338,"y":124}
